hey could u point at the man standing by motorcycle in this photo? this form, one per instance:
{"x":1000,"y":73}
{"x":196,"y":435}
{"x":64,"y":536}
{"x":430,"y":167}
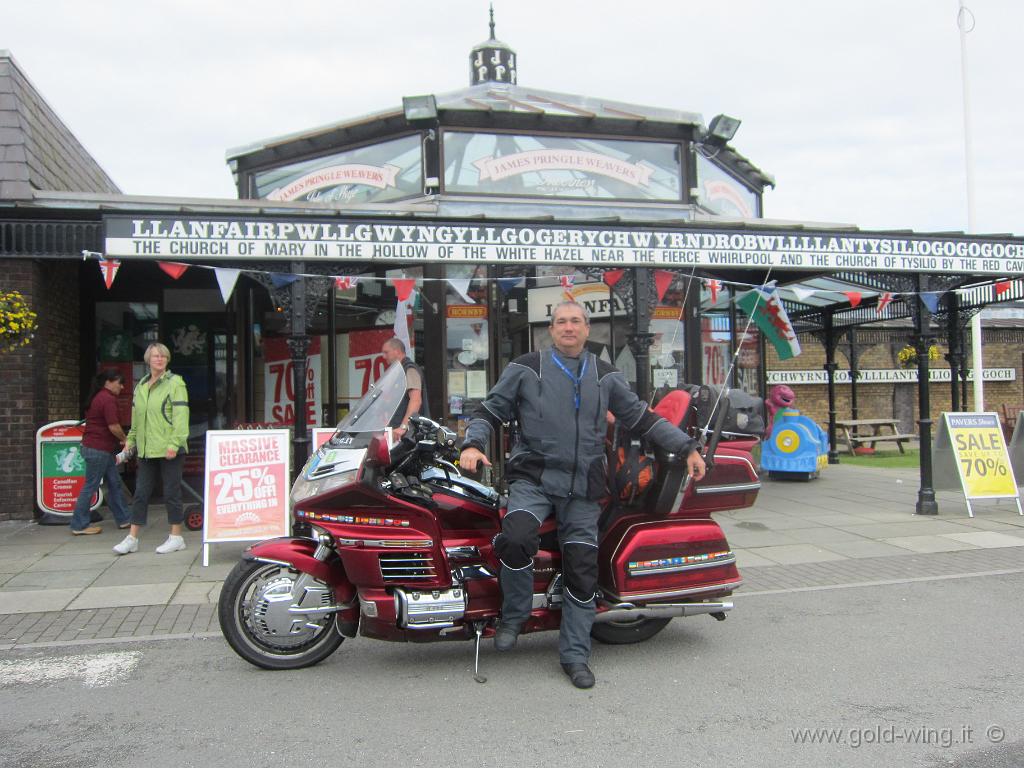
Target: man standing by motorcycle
{"x":415,"y":402}
{"x":560,"y":397}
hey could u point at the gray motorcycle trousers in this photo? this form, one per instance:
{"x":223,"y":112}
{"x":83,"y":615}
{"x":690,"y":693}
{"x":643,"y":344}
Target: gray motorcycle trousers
{"x":577,"y":537}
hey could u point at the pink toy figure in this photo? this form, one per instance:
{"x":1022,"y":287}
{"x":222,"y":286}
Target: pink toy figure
{"x":780,"y":396}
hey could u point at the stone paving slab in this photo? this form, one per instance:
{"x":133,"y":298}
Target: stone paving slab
{"x":201,"y":592}
{"x":154,"y":574}
{"x":929,"y":543}
{"x":864,"y":548}
{"x":988,"y":539}
{"x":128,"y":595}
{"x":52,"y":579}
{"x":797,"y":553}
{"x":71,"y":562}
{"x":29,"y":601}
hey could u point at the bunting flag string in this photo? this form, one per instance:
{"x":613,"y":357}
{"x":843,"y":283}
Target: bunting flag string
{"x":173,"y":268}
{"x":282,"y":279}
{"x":802,"y":294}
{"x":612,"y":276}
{"x":346,"y":282}
{"x":854,"y":297}
{"x":714,"y":286}
{"x":108,"y":268}
{"x":226,"y":279}
{"x":566,"y":281}
{"x":883,"y":301}
{"x":404,"y":287}
{"x":461,"y":286}
{"x":506,"y":284}
{"x":662,"y":279}
{"x":931,"y":300}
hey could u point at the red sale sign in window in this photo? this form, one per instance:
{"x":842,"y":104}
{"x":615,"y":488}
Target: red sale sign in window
{"x":279,"y":382}
{"x":246,"y":486}
{"x":366,"y":362}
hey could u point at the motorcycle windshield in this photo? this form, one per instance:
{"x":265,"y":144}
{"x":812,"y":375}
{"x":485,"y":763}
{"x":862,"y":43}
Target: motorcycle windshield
{"x":375,"y":410}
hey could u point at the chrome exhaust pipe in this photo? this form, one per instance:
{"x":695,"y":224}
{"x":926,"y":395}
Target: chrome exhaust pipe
{"x":629,"y":612}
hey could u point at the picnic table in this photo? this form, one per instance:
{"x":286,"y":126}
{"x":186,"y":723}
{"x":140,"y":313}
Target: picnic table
{"x":854,"y":436}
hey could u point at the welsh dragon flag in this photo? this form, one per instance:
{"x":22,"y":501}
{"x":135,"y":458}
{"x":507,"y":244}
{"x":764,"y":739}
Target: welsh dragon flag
{"x":766,"y":310}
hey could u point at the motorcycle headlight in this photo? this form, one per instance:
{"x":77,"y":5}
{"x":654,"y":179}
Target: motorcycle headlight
{"x":305,"y":489}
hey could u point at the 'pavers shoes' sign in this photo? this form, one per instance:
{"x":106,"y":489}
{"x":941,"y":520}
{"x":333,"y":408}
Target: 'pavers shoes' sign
{"x":494,"y":243}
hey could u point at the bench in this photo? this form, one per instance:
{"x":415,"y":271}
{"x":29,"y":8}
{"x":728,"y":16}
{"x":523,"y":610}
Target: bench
{"x":851,"y":427}
{"x":898,"y":438}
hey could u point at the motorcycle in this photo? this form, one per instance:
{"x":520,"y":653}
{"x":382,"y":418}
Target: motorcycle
{"x":392,"y":542}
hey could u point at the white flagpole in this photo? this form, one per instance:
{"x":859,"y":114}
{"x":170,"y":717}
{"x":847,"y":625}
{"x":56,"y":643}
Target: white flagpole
{"x":965,"y":23}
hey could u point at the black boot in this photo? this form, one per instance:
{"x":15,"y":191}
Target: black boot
{"x":580,"y":675}
{"x":505,"y":636}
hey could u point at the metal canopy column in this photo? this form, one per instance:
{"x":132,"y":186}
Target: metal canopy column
{"x":854,"y":371}
{"x":641,"y":339}
{"x":332,"y":357}
{"x":298,"y":345}
{"x":955,"y":342}
{"x":926,"y":503}
{"x":830,"y":369}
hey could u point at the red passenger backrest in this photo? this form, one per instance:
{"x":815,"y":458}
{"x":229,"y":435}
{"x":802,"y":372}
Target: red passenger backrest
{"x":674,"y":408}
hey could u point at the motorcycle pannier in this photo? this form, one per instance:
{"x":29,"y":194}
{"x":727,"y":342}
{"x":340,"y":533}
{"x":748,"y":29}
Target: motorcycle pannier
{"x":746,"y":412}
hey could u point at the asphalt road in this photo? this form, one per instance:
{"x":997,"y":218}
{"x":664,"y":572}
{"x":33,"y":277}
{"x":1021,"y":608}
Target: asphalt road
{"x":918,"y":674}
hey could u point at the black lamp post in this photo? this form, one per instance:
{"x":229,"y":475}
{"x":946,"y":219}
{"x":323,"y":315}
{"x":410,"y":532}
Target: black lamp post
{"x":926,"y":503}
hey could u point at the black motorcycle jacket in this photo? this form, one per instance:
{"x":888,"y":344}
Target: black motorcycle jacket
{"x":561,"y":405}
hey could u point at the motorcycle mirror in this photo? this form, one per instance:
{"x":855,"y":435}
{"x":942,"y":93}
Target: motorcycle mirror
{"x":378,"y":454}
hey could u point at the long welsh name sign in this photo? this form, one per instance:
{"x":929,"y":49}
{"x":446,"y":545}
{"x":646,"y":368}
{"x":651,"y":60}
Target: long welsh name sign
{"x":214,"y":238}
{"x":883,"y":376}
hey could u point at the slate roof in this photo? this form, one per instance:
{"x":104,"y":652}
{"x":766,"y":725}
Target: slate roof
{"x":37,"y":151}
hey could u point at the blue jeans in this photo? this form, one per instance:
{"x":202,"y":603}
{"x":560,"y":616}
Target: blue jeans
{"x":99,"y":465}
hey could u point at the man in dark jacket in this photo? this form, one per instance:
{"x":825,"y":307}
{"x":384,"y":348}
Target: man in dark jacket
{"x":560,"y":397}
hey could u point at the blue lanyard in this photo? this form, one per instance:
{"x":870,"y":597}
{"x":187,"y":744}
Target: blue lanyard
{"x":576,"y":380}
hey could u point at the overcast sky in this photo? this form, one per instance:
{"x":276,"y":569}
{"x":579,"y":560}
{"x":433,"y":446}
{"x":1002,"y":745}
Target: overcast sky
{"x":854,"y":107}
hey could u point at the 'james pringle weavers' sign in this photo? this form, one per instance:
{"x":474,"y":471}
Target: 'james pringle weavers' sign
{"x":432,"y":241}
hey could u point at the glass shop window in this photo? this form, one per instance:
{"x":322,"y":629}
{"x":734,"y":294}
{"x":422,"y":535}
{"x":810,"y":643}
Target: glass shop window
{"x":123,"y":331}
{"x":391,"y":170}
{"x":561,"y":166}
{"x":467,"y":344}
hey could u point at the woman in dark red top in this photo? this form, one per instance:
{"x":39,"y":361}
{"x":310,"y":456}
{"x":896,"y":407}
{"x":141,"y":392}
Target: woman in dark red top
{"x":102,"y":440}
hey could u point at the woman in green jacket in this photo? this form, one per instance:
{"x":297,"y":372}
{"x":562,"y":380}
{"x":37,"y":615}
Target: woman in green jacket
{"x":159,"y":435}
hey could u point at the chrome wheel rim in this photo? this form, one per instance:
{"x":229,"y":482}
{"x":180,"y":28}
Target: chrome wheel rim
{"x":269,"y":609}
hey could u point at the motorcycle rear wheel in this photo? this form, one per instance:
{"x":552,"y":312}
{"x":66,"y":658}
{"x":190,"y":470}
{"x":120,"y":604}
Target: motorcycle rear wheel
{"x":254,"y":616}
{"x":626,"y":633}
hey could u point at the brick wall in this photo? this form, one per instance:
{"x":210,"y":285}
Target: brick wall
{"x":38,"y":383}
{"x":896,"y":400}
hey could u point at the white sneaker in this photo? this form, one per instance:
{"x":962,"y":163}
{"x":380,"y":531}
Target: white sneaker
{"x":173,"y":544}
{"x":127,"y":545}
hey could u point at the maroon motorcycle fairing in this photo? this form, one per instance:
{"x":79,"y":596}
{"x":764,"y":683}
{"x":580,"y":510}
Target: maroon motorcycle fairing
{"x":406,"y":549}
{"x":687,"y":539}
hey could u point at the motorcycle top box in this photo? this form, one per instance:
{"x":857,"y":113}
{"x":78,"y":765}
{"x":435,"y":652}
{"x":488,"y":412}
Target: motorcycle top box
{"x":392,"y":542}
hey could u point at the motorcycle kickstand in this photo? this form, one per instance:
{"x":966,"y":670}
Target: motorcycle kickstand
{"x":478,"y":627}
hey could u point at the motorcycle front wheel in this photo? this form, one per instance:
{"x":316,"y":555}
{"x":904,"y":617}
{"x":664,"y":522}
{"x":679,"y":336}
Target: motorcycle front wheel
{"x":627,"y":632}
{"x":261,"y":616}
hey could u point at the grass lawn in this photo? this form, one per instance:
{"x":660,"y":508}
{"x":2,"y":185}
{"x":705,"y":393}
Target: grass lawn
{"x":883,"y":459}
